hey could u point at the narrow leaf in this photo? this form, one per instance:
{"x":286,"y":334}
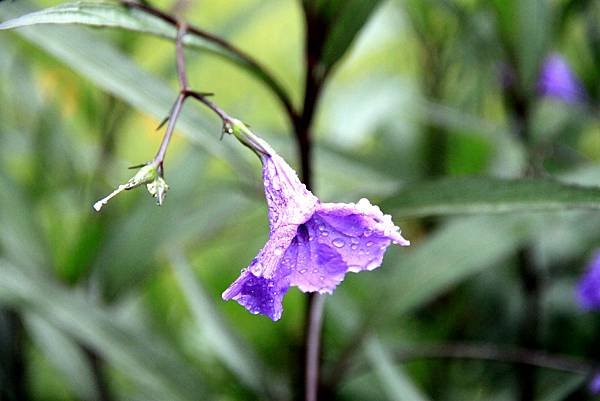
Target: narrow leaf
{"x":115,"y":15}
{"x":151,"y":364}
{"x":394,"y":382}
{"x":466,"y":195}
{"x":341,"y":21}
{"x":238,"y":357}
{"x":117,"y":74}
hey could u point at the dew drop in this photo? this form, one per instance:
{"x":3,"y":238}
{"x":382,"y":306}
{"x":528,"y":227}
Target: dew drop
{"x":367,"y":233}
{"x":321,"y":227}
{"x":354,"y":240}
{"x":278,"y":251}
{"x":315,"y":270}
{"x":324,"y":233}
{"x":302,"y":271}
{"x":321,"y":278}
{"x":354,"y":247}
{"x":369,"y":243}
{"x":338,"y":243}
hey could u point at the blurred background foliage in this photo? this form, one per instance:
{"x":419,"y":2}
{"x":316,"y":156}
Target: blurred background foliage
{"x":125,"y":304}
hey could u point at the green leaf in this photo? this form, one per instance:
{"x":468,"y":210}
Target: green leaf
{"x":394,"y":382}
{"x":114,"y":15}
{"x":465,"y":195}
{"x":341,"y":20}
{"x":155,"y":367}
{"x":235,"y":354}
{"x":115,"y":73}
{"x":64,"y":354}
{"x":455,"y":252}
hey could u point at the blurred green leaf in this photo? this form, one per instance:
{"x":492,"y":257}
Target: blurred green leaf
{"x":193,"y":212}
{"x":112,"y":71}
{"x":156,"y":368}
{"x":455,"y":252}
{"x":236,"y":355}
{"x":20,"y":238}
{"x":339,"y":22}
{"x":395,"y":383}
{"x":64,"y":354}
{"x":461,"y":195}
{"x":115,"y":15}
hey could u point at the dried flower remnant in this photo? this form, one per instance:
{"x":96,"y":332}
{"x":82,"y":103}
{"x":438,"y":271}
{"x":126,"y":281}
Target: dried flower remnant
{"x":148,"y":174}
{"x":311,"y":244}
{"x":557,"y":80}
{"x":588,"y":288}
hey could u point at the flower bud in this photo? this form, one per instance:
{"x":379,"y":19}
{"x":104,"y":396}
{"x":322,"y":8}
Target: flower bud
{"x":148,"y":174}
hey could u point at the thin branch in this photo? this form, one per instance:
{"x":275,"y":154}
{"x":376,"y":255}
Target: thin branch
{"x":182,"y":29}
{"x":262,"y":72}
{"x":202,"y":98}
{"x":313,"y":345}
{"x":162,"y":150}
{"x":495,"y":353}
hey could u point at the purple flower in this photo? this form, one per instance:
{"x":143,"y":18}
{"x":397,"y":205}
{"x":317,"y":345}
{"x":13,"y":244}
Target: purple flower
{"x":557,"y":80}
{"x":588,"y":289}
{"x":594,"y":384}
{"x":311,"y":244}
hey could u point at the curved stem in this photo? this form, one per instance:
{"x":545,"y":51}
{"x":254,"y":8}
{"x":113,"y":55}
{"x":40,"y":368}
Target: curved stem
{"x":495,"y":353}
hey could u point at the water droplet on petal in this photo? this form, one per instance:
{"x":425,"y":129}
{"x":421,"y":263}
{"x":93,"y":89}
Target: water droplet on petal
{"x":321,"y":227}
{"x":354,"y":247}
{"x":321,"y":278}
{"x":368,"y":233}
{"x":354,"y":240}
{"x":324,"y":233}
{"x":278,"y":251}
{"x":302,"y":271}
{"x":369,"y":243}
{"x":315,"y":270}
{"x":338,"y":243}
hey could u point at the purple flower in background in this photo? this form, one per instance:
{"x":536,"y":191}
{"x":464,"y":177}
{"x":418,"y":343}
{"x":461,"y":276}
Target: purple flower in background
{"x":311,"y":244}
{"x":558,"y":80}
{"x":594,"y":384}
{"x":588,"y":289}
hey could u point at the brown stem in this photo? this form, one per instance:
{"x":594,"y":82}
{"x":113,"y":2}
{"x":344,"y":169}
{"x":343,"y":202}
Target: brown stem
{"x":315,"y":76}
{"x":495,"y":353}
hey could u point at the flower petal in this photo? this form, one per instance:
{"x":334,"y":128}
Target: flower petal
{"x":258,"y":294}
{"x":361,"y":220}
{"x":315,"y":265}
{"x":588,"y":288}
{"x":288,"y":199}
{"x":337,"y":239}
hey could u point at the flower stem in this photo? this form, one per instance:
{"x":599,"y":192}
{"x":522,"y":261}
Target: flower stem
{"x":316,"y":306}
{"x":314,"y":80}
